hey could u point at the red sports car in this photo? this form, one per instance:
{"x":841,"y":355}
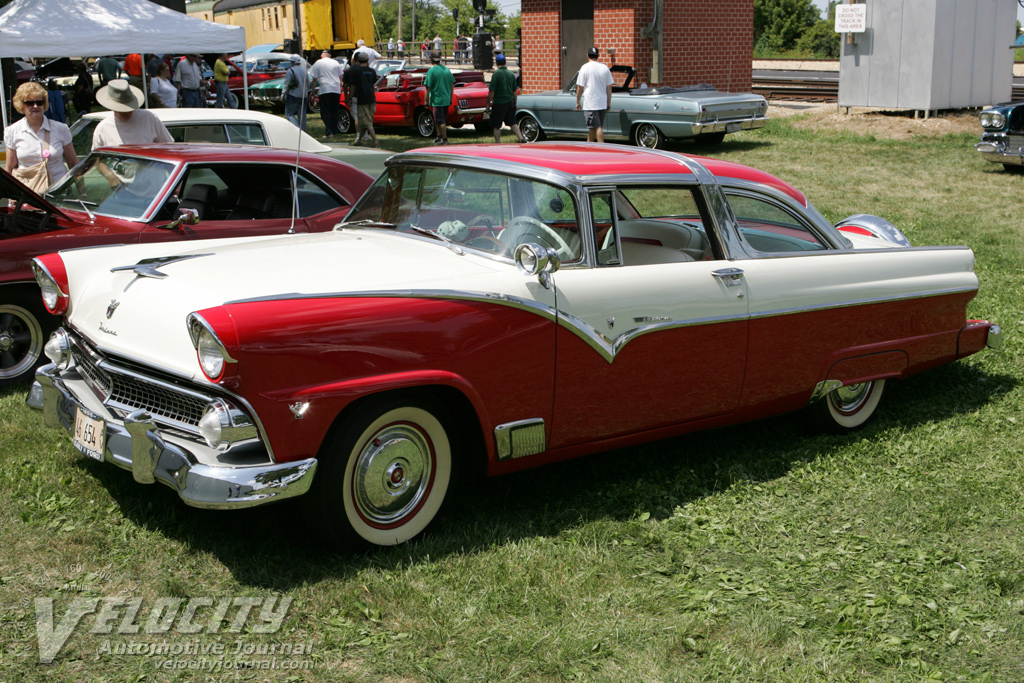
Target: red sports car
{"x":154,"y":193}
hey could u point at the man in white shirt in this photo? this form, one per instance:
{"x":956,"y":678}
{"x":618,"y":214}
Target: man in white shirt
{"x":371,"y":54}
{"x":128,"y":126}
{"x":189,"y":79}
{"x":594,"y":94}
{"x":327,"y":74}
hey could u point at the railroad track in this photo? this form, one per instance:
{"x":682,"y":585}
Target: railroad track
{"x":815,"y":90}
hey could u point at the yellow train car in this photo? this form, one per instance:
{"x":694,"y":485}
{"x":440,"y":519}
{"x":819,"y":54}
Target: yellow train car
{"x":323,"y":24}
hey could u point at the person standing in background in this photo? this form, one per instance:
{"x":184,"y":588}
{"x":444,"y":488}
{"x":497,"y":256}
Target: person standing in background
{"x":594,"y":94}
{"x":133,"y":67}
{"x":84,"y":95}
{"x":164,"y":94}
{"x":221,"y":72}
{"x":129,"y":125}
{"x":371,"y":54}
{"x":501,"y":100}
{"x":37,"y":147}
{"x":327,"y":75}
{"x":108,"y":69}
{"x":188,"y":79}
{"x":361,"y":97}
{"x":439,"y":84}
{"x":391,"y":48}
{"x":295,"y":88}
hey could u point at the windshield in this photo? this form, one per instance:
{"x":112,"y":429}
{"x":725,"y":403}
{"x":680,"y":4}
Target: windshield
{"x":488,"y":212}
{"x":112,"y":185}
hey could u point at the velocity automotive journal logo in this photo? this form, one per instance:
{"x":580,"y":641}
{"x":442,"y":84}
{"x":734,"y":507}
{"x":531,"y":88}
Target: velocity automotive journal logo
{"x":126,"y":616}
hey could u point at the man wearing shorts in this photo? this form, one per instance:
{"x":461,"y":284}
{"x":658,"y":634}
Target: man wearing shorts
{"x":594,"y":94}
{"x":439,"y":84}
{"x":501,"y":99}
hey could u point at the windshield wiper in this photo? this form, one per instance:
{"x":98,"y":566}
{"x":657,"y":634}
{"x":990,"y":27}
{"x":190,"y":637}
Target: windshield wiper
{"x":447,"y":240}
{"x":85,"y":206}
{"x":367,"y":222}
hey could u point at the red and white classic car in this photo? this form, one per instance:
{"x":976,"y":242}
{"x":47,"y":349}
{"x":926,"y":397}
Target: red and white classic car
{"x":132,"y":195}
{"x":401,"y":101}
{"x":491,"y":307}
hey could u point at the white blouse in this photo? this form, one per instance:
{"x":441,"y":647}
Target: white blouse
{"x":164,"y":91}
{"x":32,"y":148}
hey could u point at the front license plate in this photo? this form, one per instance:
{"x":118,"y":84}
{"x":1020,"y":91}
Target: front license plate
{"x":90,"y":434}
{"x":732,"y":127}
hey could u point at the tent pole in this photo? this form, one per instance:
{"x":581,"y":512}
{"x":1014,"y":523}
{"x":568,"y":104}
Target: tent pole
{"x":245,"y":79}
{"x":145,"y":88}
{"x":3,"y":96}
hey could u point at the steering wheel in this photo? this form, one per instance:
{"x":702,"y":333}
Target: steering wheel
{"x":522,"y":226}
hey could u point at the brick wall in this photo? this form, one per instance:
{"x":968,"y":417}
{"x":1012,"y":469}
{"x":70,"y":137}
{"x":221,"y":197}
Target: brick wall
{"x":702,"y":42}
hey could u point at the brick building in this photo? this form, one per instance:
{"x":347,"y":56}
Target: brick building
{"x":670,"y":42}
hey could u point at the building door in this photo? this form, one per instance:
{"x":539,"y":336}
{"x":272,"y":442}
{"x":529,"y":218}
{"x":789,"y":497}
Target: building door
{"x":577,"y":36}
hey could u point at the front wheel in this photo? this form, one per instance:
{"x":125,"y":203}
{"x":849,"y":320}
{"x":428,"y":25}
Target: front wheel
{"x":425,"y":123}
{"x":384,"y":474}
{"x":313,"y":102}
{"x":530,"y":128}
{"x":344,"y":120}
{"x":24,"y":328}
{"x":847,"y":407}
{"x":647,"y":135}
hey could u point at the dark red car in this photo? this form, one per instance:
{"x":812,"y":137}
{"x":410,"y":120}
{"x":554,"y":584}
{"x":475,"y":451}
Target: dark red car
{"x":154,"y":193}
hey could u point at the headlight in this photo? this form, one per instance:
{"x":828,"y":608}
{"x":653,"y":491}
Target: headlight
{"x":992,"y":119}
{"x":53,"y":282}
{"x":58,"y":349}
{"x":210,"y":350}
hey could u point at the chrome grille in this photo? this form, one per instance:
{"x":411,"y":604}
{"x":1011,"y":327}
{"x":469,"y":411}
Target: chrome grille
{"x":1014,"y":142}
{"x":125,"y":388}
{"x":463,"y":104}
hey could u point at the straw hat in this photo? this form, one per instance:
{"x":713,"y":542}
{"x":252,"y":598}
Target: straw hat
{"x":117,"y":95}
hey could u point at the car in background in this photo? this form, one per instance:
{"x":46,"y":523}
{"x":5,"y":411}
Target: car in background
{"x":241,"y":127}
{"x":401,"y":102}
{"x":488,"y":308}
{"x":646,"y":117}
{"x":154,"y":193}
{"x":1002,"y":139}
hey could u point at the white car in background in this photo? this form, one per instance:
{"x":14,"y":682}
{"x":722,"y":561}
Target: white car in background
{"x":238,"y":126}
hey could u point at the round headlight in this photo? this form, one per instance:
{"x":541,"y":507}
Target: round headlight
{"x":998,"y":120}
{"x":211,"y":356}
{"x":986,"y":119}
{"x":58,"y":349}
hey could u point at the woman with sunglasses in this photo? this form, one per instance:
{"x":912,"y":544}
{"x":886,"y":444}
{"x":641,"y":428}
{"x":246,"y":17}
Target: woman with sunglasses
{"x":37,"y":148}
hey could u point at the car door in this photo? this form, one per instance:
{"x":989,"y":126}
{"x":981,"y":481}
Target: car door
{"x":564,"y":117}
{"x":646,"y":342}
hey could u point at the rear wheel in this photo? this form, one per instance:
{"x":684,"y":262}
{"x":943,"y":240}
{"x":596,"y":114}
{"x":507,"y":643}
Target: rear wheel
{"x":847,"y":407}
{"x":24,"y":327}
{"x":647,"y":135}
{"x":385,"y":473}
{"x":530,"y":128}
{"x":425,"y":123}
{"x":313,"y":102}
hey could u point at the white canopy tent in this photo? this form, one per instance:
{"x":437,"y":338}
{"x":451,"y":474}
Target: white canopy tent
{"x":58,"y":28}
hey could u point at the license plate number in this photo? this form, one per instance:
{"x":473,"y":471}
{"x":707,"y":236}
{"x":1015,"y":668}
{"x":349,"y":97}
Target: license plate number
{"x":732,"y":127}
{"x":90,"y":434}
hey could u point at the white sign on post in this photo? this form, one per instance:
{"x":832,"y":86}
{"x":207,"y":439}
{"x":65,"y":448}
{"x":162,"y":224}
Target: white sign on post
{"x":851,"y":18}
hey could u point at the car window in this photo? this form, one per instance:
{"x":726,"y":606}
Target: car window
{"x":81,"y":137}
{"x":769,"y":227}
{"x":112,"y":185}
{"x":474,"y":208}
{"x":236,"y":133}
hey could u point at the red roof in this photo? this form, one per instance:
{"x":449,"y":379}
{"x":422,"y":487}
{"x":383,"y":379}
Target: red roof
{"x":580,"y":159}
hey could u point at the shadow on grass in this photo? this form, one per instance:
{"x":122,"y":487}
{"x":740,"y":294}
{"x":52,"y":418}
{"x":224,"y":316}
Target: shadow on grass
{"x":274,"y":547}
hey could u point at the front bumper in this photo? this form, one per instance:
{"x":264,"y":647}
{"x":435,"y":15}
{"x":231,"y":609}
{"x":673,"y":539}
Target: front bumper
{"x":137,"y":444}
{"x":997,"y":149}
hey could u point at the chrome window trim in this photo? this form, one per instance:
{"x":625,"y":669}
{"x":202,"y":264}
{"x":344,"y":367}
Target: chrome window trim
{"x":607,"y":347}
{"x":756,"y":192}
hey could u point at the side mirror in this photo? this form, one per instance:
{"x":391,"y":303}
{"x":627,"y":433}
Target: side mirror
{"x":185,"y":216}
{"x":534,"y":259}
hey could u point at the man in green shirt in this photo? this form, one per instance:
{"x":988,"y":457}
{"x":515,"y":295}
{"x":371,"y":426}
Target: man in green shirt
{"x":501,"y":100}
{"x":439,"y":84}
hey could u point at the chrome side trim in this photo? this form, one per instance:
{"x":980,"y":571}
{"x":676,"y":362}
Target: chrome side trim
{"x":607,"y":347}
{"x":521,"y":438}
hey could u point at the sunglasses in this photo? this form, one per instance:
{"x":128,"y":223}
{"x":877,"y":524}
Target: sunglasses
{"x":34,"y":103}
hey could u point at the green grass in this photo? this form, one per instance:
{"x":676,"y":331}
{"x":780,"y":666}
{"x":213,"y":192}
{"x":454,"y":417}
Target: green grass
{"x":754,"y":553}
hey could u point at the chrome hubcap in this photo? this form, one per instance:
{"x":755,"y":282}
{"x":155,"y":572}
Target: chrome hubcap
{"x":647,"y":136}
{"x":21,"y":341}
{"x":849,"y":399}
{"x":393,"y":474}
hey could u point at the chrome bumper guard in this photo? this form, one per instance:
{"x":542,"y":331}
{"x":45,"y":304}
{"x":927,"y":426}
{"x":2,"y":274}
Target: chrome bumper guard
{"x":136,"y":444}
{"x":994,"y":340}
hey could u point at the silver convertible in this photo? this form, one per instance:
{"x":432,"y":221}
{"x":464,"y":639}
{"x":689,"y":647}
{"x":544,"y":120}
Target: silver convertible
{"x":647,"y":117}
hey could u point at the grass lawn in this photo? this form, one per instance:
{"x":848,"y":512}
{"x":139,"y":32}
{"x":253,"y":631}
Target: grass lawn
{"x":754,"y":553}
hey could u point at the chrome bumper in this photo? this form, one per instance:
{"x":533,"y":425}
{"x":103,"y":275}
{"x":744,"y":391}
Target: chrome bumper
{"x":728,"y":126}
{"x":994,"y":339}
{"x":135,"y":443}
{"x":997,"y":151}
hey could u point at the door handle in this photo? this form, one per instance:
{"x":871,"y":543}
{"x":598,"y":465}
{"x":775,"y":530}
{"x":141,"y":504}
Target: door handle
{"x":564,"y":51}
{"x":730,"y":276}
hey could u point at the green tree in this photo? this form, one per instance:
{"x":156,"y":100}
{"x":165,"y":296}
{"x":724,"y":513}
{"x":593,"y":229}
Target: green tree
{"x":821,"y":39}
{"x":778,"y":24}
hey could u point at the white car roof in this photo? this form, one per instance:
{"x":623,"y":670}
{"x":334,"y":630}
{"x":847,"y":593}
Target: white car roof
{"x":280,"y":131}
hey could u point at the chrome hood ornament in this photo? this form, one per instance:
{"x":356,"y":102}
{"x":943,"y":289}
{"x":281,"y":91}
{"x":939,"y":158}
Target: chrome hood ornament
{"x":147,"y":267}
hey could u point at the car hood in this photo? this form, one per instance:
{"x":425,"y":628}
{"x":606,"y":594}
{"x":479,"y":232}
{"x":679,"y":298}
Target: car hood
{"x":12,"y":188}
{"x":140,"y":313}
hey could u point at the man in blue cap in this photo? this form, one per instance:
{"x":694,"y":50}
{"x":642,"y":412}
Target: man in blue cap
{"x":501,"y":100}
